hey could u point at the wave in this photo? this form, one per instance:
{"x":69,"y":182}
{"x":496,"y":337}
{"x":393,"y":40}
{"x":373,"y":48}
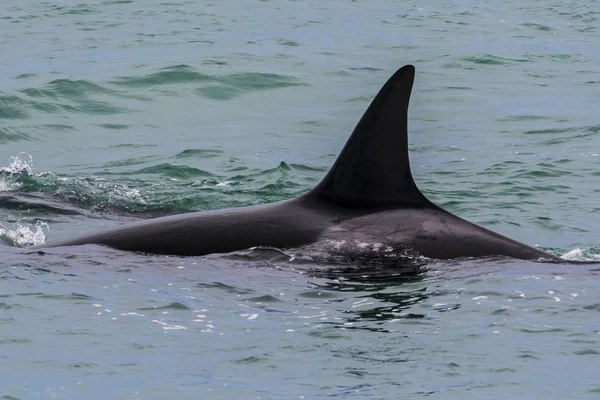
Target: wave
{"x":154,"y":190}
{"x":215,"y":87}
{"x":64,"y":96}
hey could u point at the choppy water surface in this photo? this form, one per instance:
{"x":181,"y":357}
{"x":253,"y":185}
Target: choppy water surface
{"x":119,"y":110}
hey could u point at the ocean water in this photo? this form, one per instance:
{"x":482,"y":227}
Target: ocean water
{"x":115,"y":111}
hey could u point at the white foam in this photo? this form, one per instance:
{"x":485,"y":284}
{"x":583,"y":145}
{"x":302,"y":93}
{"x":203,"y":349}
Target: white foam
{"x":575,"y":254}
{"x":127,"y":192}
{"x":337,"y":244}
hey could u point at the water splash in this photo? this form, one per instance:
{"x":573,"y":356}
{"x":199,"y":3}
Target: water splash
{"x":87,"y":192}
{"x":21,"y":164}
{"x":581,"y":255}
{"x":6,"y":186}
{"x":23,"y":235}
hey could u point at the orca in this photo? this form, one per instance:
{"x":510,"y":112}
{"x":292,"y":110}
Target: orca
{"x":368,"y":196}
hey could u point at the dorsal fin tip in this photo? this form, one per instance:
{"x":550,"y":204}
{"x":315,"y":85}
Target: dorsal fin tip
{"x":373,"y":169}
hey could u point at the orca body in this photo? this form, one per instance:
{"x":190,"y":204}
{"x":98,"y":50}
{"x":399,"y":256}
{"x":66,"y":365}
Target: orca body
{"x":368,"y":196}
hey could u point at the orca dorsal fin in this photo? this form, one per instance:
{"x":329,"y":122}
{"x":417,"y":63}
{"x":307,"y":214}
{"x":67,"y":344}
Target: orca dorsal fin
{"x":373,"y":169}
